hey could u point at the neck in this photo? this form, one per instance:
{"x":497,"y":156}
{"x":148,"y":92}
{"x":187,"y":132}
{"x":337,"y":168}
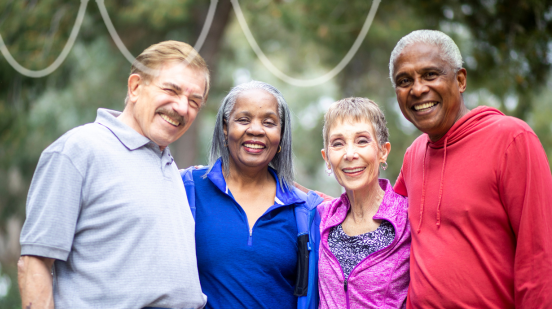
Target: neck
{"x":127,"y":118}
{"x":248,"y":177}
{"x":365,"y":202}
{"x":461,"y":113}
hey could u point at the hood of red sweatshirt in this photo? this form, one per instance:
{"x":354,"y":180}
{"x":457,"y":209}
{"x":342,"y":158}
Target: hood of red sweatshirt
{"x":463,"y":128}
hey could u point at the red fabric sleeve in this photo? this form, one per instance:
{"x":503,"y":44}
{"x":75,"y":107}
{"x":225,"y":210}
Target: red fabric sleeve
{"x":324,"y":196}
{"x":525,"y":186}
{"x":400,"y":187}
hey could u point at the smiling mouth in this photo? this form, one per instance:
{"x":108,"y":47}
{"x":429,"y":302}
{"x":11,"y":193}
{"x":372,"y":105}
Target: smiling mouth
{"x":353,"y":170}
{"x":254,"y":146}
{"x":424,"y":106}
{"x":170,"y":120}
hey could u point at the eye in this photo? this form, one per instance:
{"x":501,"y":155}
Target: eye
{"x":403,"y":82}
{"x":336,"y":144}
{"x":270,"y":123}
{"x":171,"y":91}
{"x":194,"y":104}
{"x":242,"y":120}
{"x":363,"y":141}
{"x":431,"y":75}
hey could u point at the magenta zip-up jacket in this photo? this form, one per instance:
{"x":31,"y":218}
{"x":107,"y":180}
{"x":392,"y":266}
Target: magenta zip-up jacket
{"x":381,"y":279}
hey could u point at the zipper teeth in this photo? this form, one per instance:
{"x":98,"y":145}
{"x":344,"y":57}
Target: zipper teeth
{"x":345,"y":280}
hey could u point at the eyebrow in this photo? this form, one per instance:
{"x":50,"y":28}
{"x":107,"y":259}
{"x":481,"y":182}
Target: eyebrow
{"x":248,"y":113}
{"x":179,"y":90}
{"x":424,"y":69}
{"x":356,"y":133}
{"x":172,"y":85}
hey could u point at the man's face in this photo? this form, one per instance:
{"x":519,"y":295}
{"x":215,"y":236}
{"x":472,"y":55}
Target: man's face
{"x":428,"y":90}
{"x":165,"y":107}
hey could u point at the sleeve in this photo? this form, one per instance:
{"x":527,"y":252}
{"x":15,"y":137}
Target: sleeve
{"x":325,"y":197}
{"x":400,"y":186}
{"x":53,"y":206}
{"x":525,"y":187}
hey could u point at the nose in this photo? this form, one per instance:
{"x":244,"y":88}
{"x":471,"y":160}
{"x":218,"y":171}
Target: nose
{"x":418,"y":88}
{"x":182,"y":106}
{"x":350,"y":153}
{"x":255,"y":128}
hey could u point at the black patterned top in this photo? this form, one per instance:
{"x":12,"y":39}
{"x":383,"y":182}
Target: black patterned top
{"x":351,"y":250}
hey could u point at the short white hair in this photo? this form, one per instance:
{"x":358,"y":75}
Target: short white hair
{"x":449,"y":51}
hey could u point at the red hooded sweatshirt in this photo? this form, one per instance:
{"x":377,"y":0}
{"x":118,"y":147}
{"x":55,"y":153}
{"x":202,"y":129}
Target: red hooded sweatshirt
{"x":481,"y":215}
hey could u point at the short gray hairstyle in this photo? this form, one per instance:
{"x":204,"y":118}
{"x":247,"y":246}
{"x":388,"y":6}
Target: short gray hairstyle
{"x":450,"y":52}
{"x":283,"y":160}
{"x":357,"y":109}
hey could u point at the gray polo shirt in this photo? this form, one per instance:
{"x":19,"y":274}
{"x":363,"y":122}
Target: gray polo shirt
{"x":111,"y":208}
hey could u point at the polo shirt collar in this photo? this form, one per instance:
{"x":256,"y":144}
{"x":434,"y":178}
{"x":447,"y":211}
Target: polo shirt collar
{"x":125,"y":134}
{"x":283,"y":197}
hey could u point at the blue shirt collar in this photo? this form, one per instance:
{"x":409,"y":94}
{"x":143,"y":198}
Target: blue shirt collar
{"x":283,"y":196}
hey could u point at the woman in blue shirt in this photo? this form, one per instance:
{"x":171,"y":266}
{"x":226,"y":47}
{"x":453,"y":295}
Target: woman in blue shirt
{"x":246,"y":230}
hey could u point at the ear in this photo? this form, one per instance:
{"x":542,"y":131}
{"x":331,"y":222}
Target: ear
{"x":461,"y":78}
{"x":385,"y":150}
{"x":134,"y":82}
{"x":225,"y":129}
{"x":323,"y":152}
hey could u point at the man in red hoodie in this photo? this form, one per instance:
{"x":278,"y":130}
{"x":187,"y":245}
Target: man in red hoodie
{"x":479,"y":188}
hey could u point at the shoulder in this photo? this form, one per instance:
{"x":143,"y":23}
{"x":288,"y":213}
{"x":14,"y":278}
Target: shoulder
{"x":197,"y":173}
{"x":510,"y":126}
{"x":512,"y":133}
{"x":79,"y":140}
{"x":392,"y":199}
{"x":328,"y":208}
{"x":417,"y":145}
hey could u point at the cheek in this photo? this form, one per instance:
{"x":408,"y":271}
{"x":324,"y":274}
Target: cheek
{"x":334,"y":157}
{"x":275,"y":136}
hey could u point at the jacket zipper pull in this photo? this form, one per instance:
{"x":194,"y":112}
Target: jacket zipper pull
{"x":345,"y":285}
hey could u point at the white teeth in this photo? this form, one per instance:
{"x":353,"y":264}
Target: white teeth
{"x":254,"y":146}
{"x":424,"y":106}
{"x":353,"y":170}
{"x":169,"y":120}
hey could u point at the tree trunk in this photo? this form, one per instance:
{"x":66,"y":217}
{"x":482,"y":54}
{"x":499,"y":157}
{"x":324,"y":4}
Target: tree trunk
{"x":186,"y":148}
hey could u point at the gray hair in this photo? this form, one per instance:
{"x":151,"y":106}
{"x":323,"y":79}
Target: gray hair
{"x":283,"y":160}
{"x":449,"y":51}
{"x":357,"y":109}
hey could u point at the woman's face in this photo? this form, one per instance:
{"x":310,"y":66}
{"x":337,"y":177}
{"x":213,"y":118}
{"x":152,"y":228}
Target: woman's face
{"x":253,"y":129}
{"x":353,"y":154}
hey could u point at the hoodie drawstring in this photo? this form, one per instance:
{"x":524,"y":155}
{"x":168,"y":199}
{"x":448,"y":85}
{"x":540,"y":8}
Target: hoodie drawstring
{"x":438,"y":223}
{"x":441,"y":185}
{"x":423,"y":190}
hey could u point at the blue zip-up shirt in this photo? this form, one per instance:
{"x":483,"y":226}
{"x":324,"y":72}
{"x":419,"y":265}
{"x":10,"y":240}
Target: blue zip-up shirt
{"x":239,"y":266}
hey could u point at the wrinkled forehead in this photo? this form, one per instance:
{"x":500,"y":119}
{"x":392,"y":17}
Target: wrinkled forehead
{"x":360,"y":121}
{"x":421,"y":54}
{"x":256,"y":98}
{"x":179,"y":73}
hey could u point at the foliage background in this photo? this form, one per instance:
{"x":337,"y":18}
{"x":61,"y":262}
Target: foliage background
{"x":506,"y":45}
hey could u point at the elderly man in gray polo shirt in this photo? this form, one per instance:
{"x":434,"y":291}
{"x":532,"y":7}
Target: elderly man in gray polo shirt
{"x":107,"y":209}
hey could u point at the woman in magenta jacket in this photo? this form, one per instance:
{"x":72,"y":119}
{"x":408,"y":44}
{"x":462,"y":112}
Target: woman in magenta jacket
{"x":365,"y":235}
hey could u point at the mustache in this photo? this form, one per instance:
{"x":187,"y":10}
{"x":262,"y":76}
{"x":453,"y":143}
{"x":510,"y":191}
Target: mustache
{"x":171,"y":113}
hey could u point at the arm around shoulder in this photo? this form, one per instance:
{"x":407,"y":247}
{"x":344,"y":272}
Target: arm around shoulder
{"x":35,"y":282}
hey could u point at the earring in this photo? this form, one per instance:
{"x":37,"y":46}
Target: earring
{"x":279,"y":149}
{"x":329,"y":171}
{"x":384,"y":165}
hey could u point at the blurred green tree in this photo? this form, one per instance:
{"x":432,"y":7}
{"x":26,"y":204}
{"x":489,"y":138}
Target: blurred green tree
{"x":506,"y":45}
